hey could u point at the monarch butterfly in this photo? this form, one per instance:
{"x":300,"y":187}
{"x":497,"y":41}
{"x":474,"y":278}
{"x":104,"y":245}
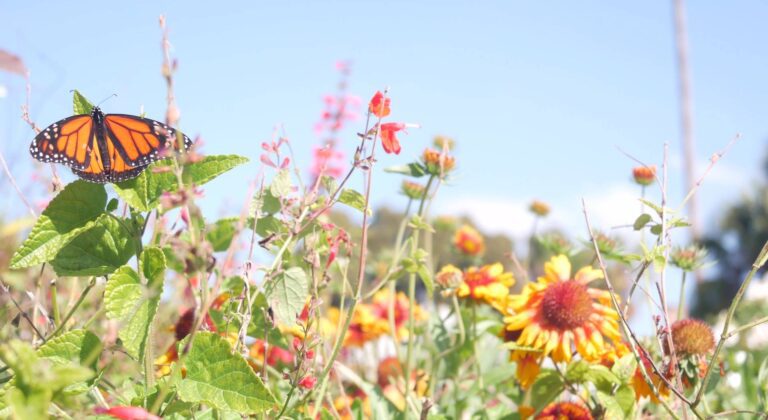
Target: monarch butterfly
{"x":105,"y":148}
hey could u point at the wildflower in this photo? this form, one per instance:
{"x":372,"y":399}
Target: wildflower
{"x":438,"y":163}
{"x":127,"y":413}
{"x":276,"y":355}
{"x":565,"y":410}
{"x":449,"y":277}
{"x":488,"y":284}
{"x":327,"y":161}
{"x":525,"y":411}
{"x":539,"y":208}
{"x":380,"y":306}
{"x":469,"y":241}
{"x":390,"y":379}
{"x":389,"y":139}
{"x":363,"y":327}
{"x":184,"y":324}
{"x":308,"y":382}
{"x":559,"y":310}
{"x":641,"y":387}
{"x":644,"y":175}
{"x":443,"y":142}
{"x":163,"y":363}
{"x":692,"y":337}
{"x":412,"y":190}
{"x":689,"y":258}
{"x":379,"y":105}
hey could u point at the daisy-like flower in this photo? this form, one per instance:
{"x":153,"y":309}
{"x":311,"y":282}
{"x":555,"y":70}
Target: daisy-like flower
{"x":363,"y":327}
{"x":437,"y":162}
{"x":641,"y":387}
{"x":560,"y":311}
{"x":469,"y":241}
{"x":380,"y":305}
{"x":489,"y":284}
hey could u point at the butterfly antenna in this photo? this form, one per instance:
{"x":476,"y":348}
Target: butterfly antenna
{"x":106,"y":99}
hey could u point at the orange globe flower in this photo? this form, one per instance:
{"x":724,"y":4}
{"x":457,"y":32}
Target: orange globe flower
{"x":469,"y":241}
{"x":563,"y":411}
{"x":559,"y":311}
{"x":489,"y":284}
{"x":644,"y":175}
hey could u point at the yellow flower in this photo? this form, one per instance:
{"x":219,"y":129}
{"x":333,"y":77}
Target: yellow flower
{"x":380,"y":305}
{"x":489,"y":284}
{"x":469,"y":241}
{"x":363,"y":327}
{"x":449,"y":277}
{"x":559,"y":311}
{"x":438,"y":163}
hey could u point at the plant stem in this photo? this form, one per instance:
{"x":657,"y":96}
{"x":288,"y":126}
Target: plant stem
{"x":55,"y":303}
{"x":681,"y":302}
{"x":69,"y":314}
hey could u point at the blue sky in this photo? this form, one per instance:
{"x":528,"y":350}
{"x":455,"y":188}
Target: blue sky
{"x":539,"y":95}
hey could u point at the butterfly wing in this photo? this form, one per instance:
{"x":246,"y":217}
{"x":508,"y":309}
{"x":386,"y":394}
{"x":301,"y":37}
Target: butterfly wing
{"x":119,"y":170}
{"x":69,"y":142}
{"x":140,"y":141}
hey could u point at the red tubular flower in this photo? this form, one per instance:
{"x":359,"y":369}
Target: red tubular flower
{"x":308,"y":382}
{"x":388,"y":138}
{"x":379,"y":105}
{"x":127,"y":413}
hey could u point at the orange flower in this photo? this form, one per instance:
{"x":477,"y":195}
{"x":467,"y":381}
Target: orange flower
{"x":642,"y":389}
{"x":644,"y":175}
{"x":560,"y":311}
{"x":363,"y":327}
{"x":692,"y":337}
{"x":438,"y":163}
{"x":539,"y":208}
{"x":380,"y":305}
{"x":388,"y":138}
{"x":563,"y":411}
{"x":469,"y":241}
{"x":489,"y":284}
{"x":379,"y":105}
{"x":277,"y":356}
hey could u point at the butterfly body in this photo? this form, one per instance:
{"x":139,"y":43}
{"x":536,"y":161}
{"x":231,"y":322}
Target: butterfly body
{"x":105,"y":148}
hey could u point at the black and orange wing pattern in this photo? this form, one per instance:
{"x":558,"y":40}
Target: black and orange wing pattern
{"x":69,"y":142}
{"x":139,"y":141}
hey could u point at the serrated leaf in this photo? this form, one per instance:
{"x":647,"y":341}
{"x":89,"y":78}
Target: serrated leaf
{"x":70,"y":213}
{"x":144,"y":192}
{"x":287,"y":294}
{"x":220,"y":233}
{"x":547,"y":386}
{"x":222,"y":379}
{"x":353,"y":199}
{"x":80,"y":105}
{"x":79,"y":346}
{"x":625,"y":398}
{"x":577,"y":371}
{"x":625,"y":367}
{"x":281,"y":184}
{"x":602,"y":377}
{"x":612,"y":408}
{"x":152,"y":263}
{"x":126,"y":300}
{"x":652,"y":205}
{"x":414,"y":169}
{"x":641,"y":221}
{"x":97,"y":251}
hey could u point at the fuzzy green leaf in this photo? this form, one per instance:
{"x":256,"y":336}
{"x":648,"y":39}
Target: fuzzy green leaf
{"x":98,"y":251}
{"x":72,"y":212}
{"x":547,"y":386}
{"x":641,"y":221}
{"x":281,"y":184}
{"x":287,"y":293}
{"x":143,"y":192}
{"x":81,"y":105}
{"x":624,"y":368}
{"x":222,"y":379}
{"x":220,"y":233}
{"x":353,"y":199}
{"x":426,"y":277}
{"x":80,"y":346}
{"x":125,"y":299}
{"x":152,"y":263}
{"x":414,"y":169}
{"x":577,"y":371}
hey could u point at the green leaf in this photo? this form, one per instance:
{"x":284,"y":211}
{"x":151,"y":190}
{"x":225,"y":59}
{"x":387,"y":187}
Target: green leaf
{"x":656,"y":229}
{"x":602,"y":377}
{"x":98,"y":251}
{"x":414,"y":169}
{"x":32,"y":406}
{"x":287,"y":293}
{"x":547,"y":386}
{"x":221,"y":378}
{"x":81,"y":105}
{"x":144,"y":192}
{"x":577,"y":371}
{"x":220,"y":233}
{"x":625,"y":397}
{"x":80,"y":346}
{"x":152,"y":263}
{"x":641,"y":221}
{"x":762,"y":383}
{"x":281,"y":184}
{"x":652,"y":205}
{"x":426,"y":277}
{"x":624,"y":368}
{"x":352,"y":198}
{"x":125,"y":301}
{"x":70,"y":213}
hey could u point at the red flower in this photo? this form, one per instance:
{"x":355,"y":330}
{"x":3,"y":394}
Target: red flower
{"x":388,"y":138}
{"x":308,"y":382}
{"x":128,"y":413}
{"x":379,"y":105}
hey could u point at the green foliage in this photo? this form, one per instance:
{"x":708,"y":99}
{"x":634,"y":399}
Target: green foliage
{"x":152,"y":263}
{"x":143,"y":192}
{"x":130,"y":302}
{"x":222,"y":379}
{"x":98,"y":251}
{"x":73,"y":211}
{"x":287,"y":294}
{"x":547,"y":386}
{"x":353,"y":199}
{"x":414,"y":169}
{"x":81,"y":105}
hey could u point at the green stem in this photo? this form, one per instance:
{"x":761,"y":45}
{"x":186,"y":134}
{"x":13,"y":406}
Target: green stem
{"x":55,"y":303}
{"x":759,"y":262}
{"x":83,"y":294}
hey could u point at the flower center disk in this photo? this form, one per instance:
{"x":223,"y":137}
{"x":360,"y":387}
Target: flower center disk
{"x":566,"y":305}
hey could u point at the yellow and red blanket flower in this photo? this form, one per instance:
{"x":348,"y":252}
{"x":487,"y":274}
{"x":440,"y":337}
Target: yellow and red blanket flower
{"x":489,"y":284}
{"x":564,"y":410}
{"x":558,"y":311}
{"x":363,"y":327}
{"x":641,"y":387}
{"x":469,"y":241}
